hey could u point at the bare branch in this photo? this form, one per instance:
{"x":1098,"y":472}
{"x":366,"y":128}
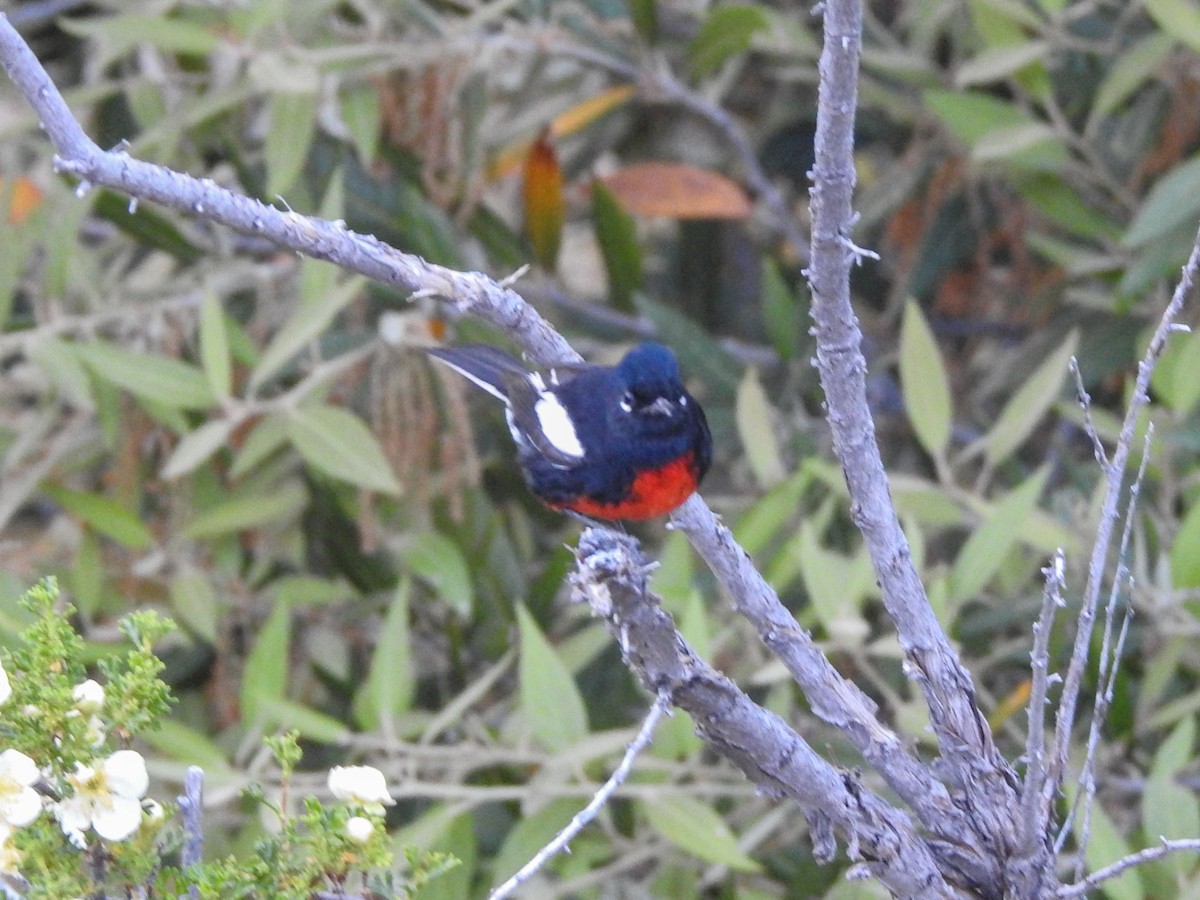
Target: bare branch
{"x":1114,"y":475}
{"x":468,"y":293}
{"x":963,"y":733}
{"x":611,"y":577}
{"x":1082,"y":888}
{"x":1035,"y":815}
{"x":1089,"y":427}
{"x":589,"y":812}
{"x":1108,"y":665}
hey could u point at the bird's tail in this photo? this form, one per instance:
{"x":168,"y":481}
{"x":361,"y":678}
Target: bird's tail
{"x":486,"y":366}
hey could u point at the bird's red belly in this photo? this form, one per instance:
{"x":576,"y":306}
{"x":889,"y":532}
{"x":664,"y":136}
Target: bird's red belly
{"x":654,"y":493}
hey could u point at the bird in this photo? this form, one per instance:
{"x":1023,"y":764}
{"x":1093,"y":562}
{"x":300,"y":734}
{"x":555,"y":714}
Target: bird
{"x":610,"y":443}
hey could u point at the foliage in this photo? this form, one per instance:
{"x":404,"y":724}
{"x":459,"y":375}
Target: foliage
{"x":72,"y":826}
{"x":248,"y":443}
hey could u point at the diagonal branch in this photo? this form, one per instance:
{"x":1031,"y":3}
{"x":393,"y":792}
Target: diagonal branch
{"x":611,"y":577}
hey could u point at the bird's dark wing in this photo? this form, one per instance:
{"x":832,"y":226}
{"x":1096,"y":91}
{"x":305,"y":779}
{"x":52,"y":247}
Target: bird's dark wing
{"x":489,"y":368}
{"x":538,"y":417}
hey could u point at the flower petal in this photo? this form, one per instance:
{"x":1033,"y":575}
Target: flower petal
{"x":21,"y":807}
{"x":119,"y":820}
{"x":126,"y":773}
{"x":19,"y":767}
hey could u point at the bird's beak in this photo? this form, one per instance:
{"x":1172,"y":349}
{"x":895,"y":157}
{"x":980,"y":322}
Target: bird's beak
{"x":660,"y":407}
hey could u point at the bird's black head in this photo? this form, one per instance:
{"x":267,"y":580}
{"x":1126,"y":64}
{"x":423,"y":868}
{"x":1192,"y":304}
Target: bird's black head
{"x":651,"y":378}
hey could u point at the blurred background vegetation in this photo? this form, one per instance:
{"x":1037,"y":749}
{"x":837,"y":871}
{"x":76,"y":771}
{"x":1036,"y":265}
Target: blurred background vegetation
{"x":194,"y":421}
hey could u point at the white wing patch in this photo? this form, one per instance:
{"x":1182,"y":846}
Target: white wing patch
{"x":555,"y":423}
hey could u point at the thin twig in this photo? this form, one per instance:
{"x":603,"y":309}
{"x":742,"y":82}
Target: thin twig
{"x":1089,"y":427}
{"x":589,"y":812}
{"x":1108,"y":664}
{"x":1114,"y":476}
{"x":1082,"y":888}
{"x":1032,"y":821}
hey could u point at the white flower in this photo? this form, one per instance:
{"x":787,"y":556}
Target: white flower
{"x":107,"y":798}
{"x":362,"y":785}
{"x":360,"y":829}
{"x":5,"y":687}
{"x":19,"y":802}
{"x":89,"y":696}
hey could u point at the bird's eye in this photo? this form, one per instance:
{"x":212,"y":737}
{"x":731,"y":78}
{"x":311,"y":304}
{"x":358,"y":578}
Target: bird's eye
{"x":682,"y":401}
{"x":627,"y":401}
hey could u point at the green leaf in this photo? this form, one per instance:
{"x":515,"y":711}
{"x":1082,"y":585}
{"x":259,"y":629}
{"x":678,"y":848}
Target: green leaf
{"x":339,"y":443}
{"x":782,"y":311}
{"x":389,"y":688}
{"x":1174,"y":379}
{"x":530,"y":834}
{"x":1178,"y":18}
{"x":263,"y":440}
{"x":726,"y":32}
{"x":105,"y":516}
{"x":249,"y":510}
{"x":280,"y":713}
{"x":1027,"y":406}
{"x":293,"y":122}
{"x":157,"y":379}
{"x":196,"y":604}
{"x":1174,"y":201}
{"x":320,"y":301}
{"x":995,"y":129}
{"x":360,"y":112}
{"x":1106,"y":846}
{"x":62,"y":365}
{"x":146,"y":226}
{"x":1185,"y":561}
{"x":214,"y":346}
{"x":1028,"y":141}
{"x":987,"y":548}
{"x":616,"y":233}
{"x":550,"y":700}
{"x":458,"y":839}
{"x":1131,"y":69}
{"x":195,"y":448}
{"x":695,"y":828}
{"x":825,"y":574}
{"x":924,"y":381}
{"x":266,"y":674}
{"x":120,"y":34}
{"x":1000,"y":62}
{"x":644,"y":14}
{"x":753,"y":414}
{"x":438,"y":561}
{"x":186,"y":745}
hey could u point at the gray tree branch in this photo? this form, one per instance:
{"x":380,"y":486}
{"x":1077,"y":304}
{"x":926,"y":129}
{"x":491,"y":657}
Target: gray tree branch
{"x":611,"y":578}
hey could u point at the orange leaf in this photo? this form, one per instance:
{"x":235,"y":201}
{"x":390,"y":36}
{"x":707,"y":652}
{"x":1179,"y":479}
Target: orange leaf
{"x":24,"y":197}
{"x":564,"y":124}
{"x":678,"y":191}
{"x":543,"y":198}
{"x":1011,"y":704}
{"x":583,"y":114}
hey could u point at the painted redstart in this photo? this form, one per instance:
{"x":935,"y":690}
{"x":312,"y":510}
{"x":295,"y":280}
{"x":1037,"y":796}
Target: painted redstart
{"x":626,"y":442}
